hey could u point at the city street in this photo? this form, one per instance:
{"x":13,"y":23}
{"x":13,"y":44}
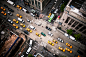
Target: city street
{"x":43,"y":40}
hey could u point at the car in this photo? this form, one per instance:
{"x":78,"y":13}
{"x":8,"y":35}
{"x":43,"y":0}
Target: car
{"x":21,"y":20}
{"x":10,"y":9}
{"x":38,"y":34}
{"x":5,"y":6}
{"x":29,"y":30}
{"x":28,"y":50}
{"x":32,"y":14}
{"x":67,"y":44}
{"x":51,"y":43}
{"x":60,"y":48}
{"x":79,"y":52}
{"x":49,"y":33}
{"x":10,"y":13}
{"x":32,"y":27}
{"x":30,"y":44}
{"x":67,"y":49}
{"x":18,"y":15}
{"x":56,"y":11}
{"x":25,"y":31}
{"x":43,"y":34}
{"x":10,"y":21}
{"x":3,"y":13}
{"x":55,"y":41}
{"x":15,"y":21}
{"x":22,"y":25}
{"x":48,"y":28}
{"x":18,"y":6}
{"x":15,"y":25}
{"x":59,"y":39}
{"x":49,"y":15}
{"x":29,"y":20}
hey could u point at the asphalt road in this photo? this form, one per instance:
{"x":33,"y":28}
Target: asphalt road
{"x":43,"y":40}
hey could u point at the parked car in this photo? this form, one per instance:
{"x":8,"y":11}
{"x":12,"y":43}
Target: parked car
{"x":67,"y":49}
{"x":55,"y":41}
{"x":10,"y":21}
{"x":60,"y":48}
{"x":59,"y":39}
{"x":15,"y":26}
{"x":29,"y":30}
{"x":26,"y":32}
{"x":28,"y":50}
{"x":18,"y":6}
{"x":21,"y":20}
{"x":3,"y":13}
{"x":29,"y":20}
{"x":51,"y":43}
{"x":32,"y":27}
{"x":67,"y":44}
{"x":48,"y":28}
{"x":49,"y":33}
{"x":10,"y":13}
{"x":10,"y":9}
{"x":43,"y":34}
{"x":15,"y":21}
{"x":22,"y":25}
{"x":5,"y":6}
{"x":18,"y":15}
{"x":79,"y":52}
{"x":30,"y":44}
{"x":32,"y":14}
{"x":38,"y":34}
{"x":56,"y":11}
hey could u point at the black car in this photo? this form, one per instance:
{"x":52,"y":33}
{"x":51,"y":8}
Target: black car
{"x":48,"y":28}
{"x":80,"y":52}
{"x":5,"y":6}
{"x":10,"y":9}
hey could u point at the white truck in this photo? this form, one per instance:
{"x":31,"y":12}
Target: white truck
{"x":10,"y":2}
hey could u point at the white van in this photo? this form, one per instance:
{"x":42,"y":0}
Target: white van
{"x":10,"y":2}
{"x":21,"y":20}
{"x":32,"y":27}
{"x":28,"y":50}
{"x":31,"y":41}
{"x":56,"y":11}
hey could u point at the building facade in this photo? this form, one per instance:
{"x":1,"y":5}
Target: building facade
{"x":73,"y":17}
{"x":37,"y":4}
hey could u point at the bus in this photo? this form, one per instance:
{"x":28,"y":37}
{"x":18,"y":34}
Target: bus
{"x":51,"y":17}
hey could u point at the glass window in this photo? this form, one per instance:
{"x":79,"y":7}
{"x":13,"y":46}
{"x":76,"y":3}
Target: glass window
{"x":32,"y":2}
{"x":36,"y":3}
{"x":67,"y":20}
{"x":74,"y":24}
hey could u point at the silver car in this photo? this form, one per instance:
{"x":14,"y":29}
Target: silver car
{"x":49,"y":33}
{"x":59,"y":39}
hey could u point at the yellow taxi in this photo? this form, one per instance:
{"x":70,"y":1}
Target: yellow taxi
{"x":55,"y":41}
{"x":49,"y":15}
{"x":15,"y":25}
{"x":51,"y":43}
{"x":3,"y":8}
{"x":3,"y":13}
{"x":67,"y":44}
{"x":38,"y":34}
{"x":28,"y":30}
{"x":67,"y":49}
{"x":60,"y":48}
{"x":15,"y":21}
{"x":19,"y":7}
{"x":22,"y":25}
{"x":18,"y":15}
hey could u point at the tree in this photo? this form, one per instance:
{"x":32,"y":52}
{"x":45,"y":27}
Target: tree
{"x":62,"y":7}
{"x":70,"y":31}
{"x":77,"y":36}
{"x":30,"y":55}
